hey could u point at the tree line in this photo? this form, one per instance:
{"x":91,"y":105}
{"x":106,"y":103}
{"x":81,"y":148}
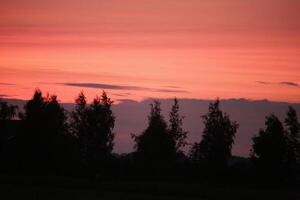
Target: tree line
{"x":80,"y":142}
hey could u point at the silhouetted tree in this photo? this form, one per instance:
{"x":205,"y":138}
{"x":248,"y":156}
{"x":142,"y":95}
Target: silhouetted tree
{"x":175,"y":127}
{"x":7,"y":112}
{"x":155,"y":147}
{"x":93,"y":125}
{"x":79,"y":124}
{"x":43,"y":142}
{"x":292,"y":123}
{"x":101,"y":123}
{"x":293,"y":139}
{"x":269,"y":149}
{"x":218,"y":136}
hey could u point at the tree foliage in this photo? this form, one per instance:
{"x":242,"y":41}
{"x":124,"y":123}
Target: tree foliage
{"x":45,"y":130}
{"x":217,"y":139}
{"x":93,"y":126}
{"x":7,"y":112}
{"x":155,"y":144}
{"x":46,"y":140}
{"x":293,"y":138}
{"x":270,"y":147}
{"x":275,"y":151}
{"x":45,"y":114}
{"x":175,"y":127}
{"x":78,"y":124}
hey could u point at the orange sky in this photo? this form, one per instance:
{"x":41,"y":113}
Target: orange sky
{"x":136,"y":49}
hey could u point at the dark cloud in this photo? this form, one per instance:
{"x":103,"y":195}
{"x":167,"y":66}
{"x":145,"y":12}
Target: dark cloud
{"x":121,"y":87}
{"x":250,"y":114}
{"x":127,"y":101}
{"x":263,"y":82}
{"x":6,"y":84}
{"x":289,"y":83}
{"x":168,"y":90}
{"x":122,"y":94}
{"x":103,"y":86}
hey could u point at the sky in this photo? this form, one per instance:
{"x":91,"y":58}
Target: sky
{"x":138,"y":49}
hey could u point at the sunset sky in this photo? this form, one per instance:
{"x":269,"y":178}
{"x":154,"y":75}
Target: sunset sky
{"x":135,"y":49}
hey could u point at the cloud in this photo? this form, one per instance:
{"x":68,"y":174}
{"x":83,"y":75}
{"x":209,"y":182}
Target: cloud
{"x":168,"y":90}
{"x":122,"y":94}
{"x":263,"y":82}
{"x":6,"y":84}
{"x":127,"y":101}
{"x":170,"y":86}
{"x":121,"y":87}
{"x":289,"y":84}
{"x":103,"y":86}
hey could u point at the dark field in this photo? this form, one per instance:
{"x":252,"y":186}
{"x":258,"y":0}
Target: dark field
{"x":64,"y":188}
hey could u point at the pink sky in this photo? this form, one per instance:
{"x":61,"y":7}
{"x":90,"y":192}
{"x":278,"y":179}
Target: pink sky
{"x":136,"y":49}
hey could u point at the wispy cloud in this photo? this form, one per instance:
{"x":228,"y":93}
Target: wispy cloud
{"x":122,"y":87}
{"x":286,"y":83}
{"x":293,"y":84}
{"x":103,"y":86}
{"x":264,"y":82}
{"x":171,"y":86}
{"x":6,"y":84}
{"x":168,"y":90}
{"x":122,"y":94}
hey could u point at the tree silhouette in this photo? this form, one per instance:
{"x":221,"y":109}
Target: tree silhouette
{"x":293,"y":139}
{"x":101,"y":123}
{"x":155,"y":147}
{"x":269,"y":149}
{"x":42,"y":144}
{"x":93,"y":125}
{"x":79,"y":124}
{"x":7,"y":112}
{"x":292,"y":123}
{"x":218,"y":136}
{"x":78,"y":116}
{"x":8,"y":128}
{"x":175,"y":127}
